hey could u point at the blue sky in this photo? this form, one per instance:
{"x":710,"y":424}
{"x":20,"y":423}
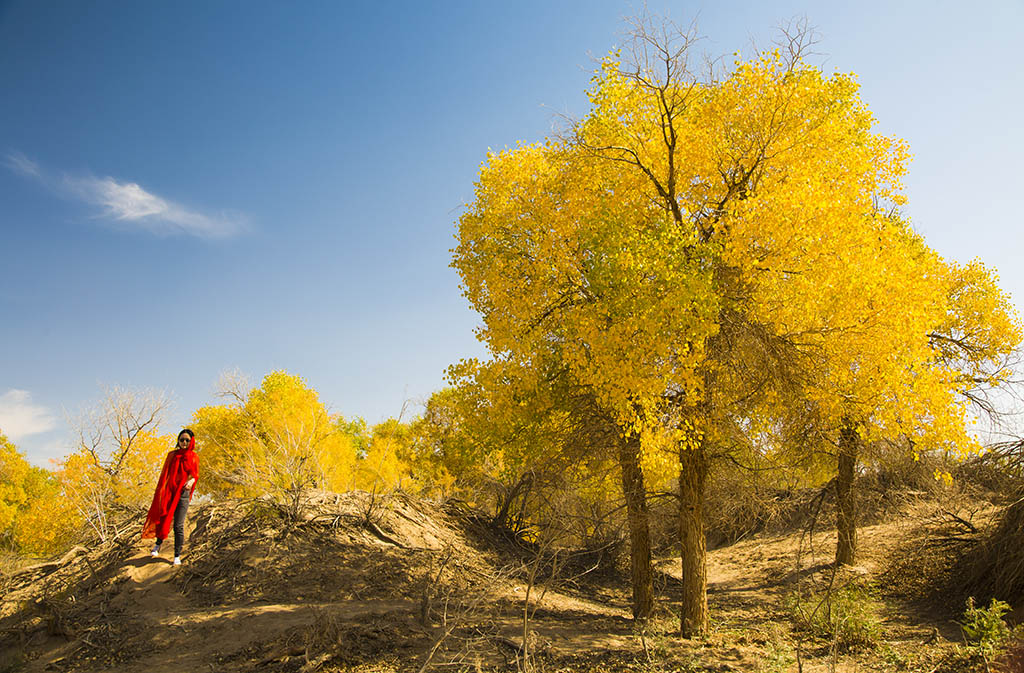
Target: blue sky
{"x":194,"y":187}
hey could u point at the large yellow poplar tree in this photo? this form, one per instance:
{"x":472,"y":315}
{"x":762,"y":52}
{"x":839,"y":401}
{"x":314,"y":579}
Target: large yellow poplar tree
{"x":692,"y":222}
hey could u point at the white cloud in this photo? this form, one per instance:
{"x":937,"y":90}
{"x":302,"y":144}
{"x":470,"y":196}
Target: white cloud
{"x":128,"y":203}
{"x":22,"y":165}
{"x":130,"y":206}
{"x":20,"y":418}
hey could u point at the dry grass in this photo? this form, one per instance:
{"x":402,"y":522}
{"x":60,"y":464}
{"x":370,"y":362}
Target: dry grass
{"x":994,"y":567}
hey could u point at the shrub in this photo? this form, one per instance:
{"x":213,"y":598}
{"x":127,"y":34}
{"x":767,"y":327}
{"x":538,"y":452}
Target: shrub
{"x":984,"y":628}
{"x":847,"y":616}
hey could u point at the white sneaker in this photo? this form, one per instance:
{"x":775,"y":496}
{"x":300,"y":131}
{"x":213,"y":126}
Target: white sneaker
{"x":155,"y":552}
{"x":177,"y":560}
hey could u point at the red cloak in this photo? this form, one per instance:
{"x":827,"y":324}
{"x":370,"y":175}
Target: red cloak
{"x":179,"y":465}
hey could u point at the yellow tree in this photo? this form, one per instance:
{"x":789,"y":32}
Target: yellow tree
{"x":97,"y":488}
{"x":483,"y":435}
{"x":690,"y":222}
{"x":115,"y":463}
{"x":275,"y":440}
{"x":14,"y":471}
{"x":41,"y":511}
{"x":911,"y":344}
{"x":527,"y":446}
{"x":385,"y":463}
{"x":886,"y":350}
{"x":49,"y":522}
{"x":921,"y":390}
{"x":979,"y":337}
{"x":34,"y":517}
{"x":557,"y":263}
{"x":502,"y":432}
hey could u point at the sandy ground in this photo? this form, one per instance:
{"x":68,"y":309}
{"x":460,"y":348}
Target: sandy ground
{"x":336,"y":595}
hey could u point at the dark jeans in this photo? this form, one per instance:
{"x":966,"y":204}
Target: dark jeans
{"x":179,"y":522}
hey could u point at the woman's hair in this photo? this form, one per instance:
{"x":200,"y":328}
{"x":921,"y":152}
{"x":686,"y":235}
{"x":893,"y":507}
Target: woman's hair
{"x":189,"y":431}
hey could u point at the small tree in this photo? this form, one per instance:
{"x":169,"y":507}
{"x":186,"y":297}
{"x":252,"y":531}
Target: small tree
{"x":118,"y":456}
{"x":496,"y":433}
{"x":384,"y":465}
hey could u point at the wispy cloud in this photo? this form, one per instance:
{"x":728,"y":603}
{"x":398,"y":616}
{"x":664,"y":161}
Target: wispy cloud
{"x":19,"y":417}
{"x":22,"y":165}
{"x":128,"y":205}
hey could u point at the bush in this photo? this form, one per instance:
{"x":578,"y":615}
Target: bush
{"x":984,"y":628}
{"x":848,"y":616}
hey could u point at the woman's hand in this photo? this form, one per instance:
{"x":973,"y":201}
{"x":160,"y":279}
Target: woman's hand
{"x":190,"y":482}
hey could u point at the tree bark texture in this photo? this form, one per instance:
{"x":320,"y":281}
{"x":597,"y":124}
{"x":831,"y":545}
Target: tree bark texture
{"x":639,"y":532}
{"x":846,"y":503}
{"x":693,"y":472}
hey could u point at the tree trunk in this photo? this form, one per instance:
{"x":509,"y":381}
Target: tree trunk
{"x":501,"y":518}
{"x":846,"y":504}
{"x":693,"y":472}
{"x":639,"y":534}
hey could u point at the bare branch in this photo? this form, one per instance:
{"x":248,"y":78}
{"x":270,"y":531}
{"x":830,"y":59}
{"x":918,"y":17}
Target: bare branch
{"x":796,"y":40}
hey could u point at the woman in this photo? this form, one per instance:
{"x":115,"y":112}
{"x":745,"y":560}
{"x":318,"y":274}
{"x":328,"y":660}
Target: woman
{"x":173,"y":493}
